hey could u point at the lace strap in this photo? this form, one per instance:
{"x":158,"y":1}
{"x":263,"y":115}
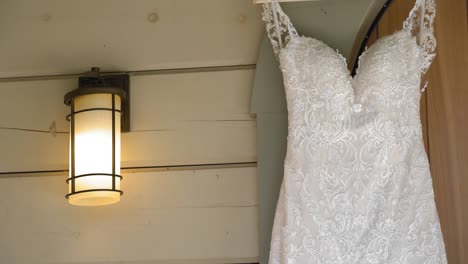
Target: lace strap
{"x":278,"y":25}
{"x":421,"y":23}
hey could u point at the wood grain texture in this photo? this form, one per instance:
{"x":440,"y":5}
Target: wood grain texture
{"x":447,"y":108}
{"x":443,"y":115}
{"x":164,"y":217}
{"x":158,"y":102}
{"x":373,"y":37}
{"x":177,"y":119}
{"x":195,"y":216}
{"x":167,"y":101}
{"x":55,"y":37}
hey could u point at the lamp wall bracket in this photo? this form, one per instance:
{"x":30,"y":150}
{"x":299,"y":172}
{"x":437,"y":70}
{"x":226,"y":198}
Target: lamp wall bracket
{"x":95,"y":82}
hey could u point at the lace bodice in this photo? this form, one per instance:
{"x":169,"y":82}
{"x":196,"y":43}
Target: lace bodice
{"x":419,"y":23}
{"x":357,"y":185}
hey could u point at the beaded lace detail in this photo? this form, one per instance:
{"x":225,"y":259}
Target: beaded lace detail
{"x":421,"y":23}
{"x":357,"y":187}
{"x":278,"y":26}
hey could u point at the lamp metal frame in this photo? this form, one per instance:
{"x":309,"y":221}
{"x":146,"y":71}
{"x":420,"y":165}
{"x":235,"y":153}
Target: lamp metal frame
{"x":107,"y":84}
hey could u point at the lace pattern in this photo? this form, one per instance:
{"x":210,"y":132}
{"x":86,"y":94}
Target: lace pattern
{"x":278,"y":26}
{"x":357,"y":188}
{"x":421,"y":23}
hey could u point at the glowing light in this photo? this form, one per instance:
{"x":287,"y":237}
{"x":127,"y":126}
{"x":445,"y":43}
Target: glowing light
{"x":93,"y":150}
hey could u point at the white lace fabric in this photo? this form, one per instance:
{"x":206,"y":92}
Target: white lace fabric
{"x":357,"y":185}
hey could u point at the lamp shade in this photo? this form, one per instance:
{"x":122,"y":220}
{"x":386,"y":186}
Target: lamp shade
{"x":95,"y":117}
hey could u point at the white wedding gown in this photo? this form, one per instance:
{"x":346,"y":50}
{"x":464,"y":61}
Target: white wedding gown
{"x":357,"y":186}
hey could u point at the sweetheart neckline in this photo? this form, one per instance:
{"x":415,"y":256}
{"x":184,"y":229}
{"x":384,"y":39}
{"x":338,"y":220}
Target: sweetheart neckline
{"x":348,"y":71}
{"x":348,"y":74}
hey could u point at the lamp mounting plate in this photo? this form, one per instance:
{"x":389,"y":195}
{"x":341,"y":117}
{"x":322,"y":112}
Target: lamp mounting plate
{"x":119,"y":81}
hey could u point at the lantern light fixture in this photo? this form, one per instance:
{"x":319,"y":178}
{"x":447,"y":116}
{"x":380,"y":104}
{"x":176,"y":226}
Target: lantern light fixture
{"x":99,"y":113}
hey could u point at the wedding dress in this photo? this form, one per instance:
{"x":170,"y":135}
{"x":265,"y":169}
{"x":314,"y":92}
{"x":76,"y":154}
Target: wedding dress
{"x":357,"y":186}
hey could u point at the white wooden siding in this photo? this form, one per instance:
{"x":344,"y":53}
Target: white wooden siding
{"x":195,"y":216}
{"x":183,"y":216}
{"x":56,"y":37}
{"x":177,"y":119}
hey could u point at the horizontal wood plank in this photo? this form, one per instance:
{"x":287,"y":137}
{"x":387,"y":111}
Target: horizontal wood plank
{"x":165,"y":101}
{"x":35,"y":105}
{"x":176,"y":119}
{"x":174,"y":261}
{"x":158,"y":102}
{"x":205,"y":214}
{"x":56,"y":37}
{"x":197,"y":143}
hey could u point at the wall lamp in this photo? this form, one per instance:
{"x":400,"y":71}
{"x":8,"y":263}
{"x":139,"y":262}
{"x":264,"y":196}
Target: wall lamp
{"x":100,"y":111}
